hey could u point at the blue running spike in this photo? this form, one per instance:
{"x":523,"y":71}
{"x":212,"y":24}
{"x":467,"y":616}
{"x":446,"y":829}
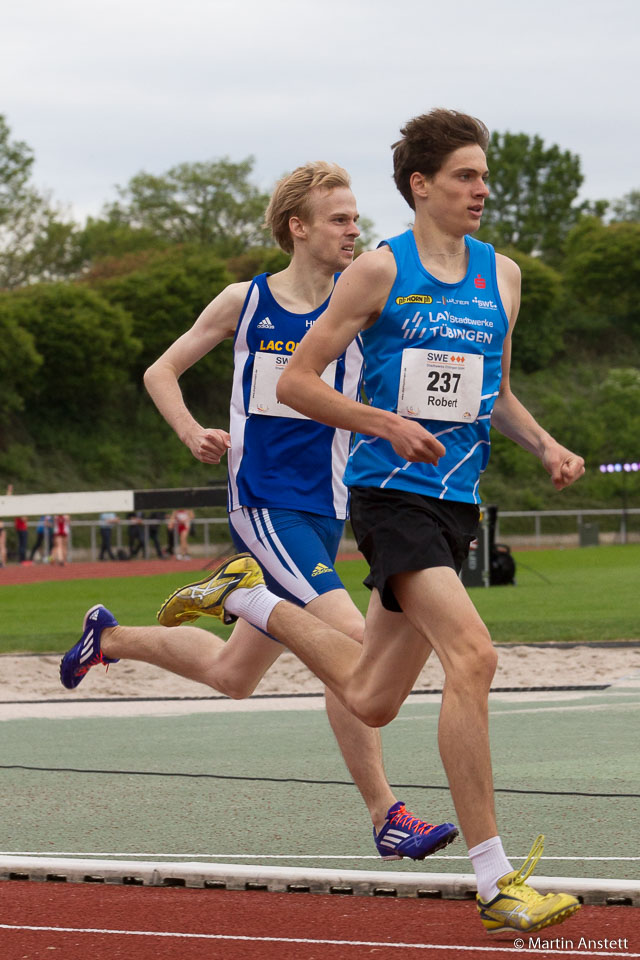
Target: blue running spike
{"x":404,"y":835}
{"x":86,"y":653}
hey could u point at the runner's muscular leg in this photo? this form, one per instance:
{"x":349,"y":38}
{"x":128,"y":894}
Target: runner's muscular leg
{"x":233,"y":668}
{"x":394,"y":654}
{"x":360,"y":746}
{"x":438,"y":605}
{"x":371,"y":682}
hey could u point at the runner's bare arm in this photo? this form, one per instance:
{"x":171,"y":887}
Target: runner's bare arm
{"x":510,"y":416}
{"x":216,"y":323}
{"x":356,"y":303}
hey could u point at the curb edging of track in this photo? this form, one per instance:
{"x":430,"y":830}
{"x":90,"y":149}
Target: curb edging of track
{"x":448,"y":886}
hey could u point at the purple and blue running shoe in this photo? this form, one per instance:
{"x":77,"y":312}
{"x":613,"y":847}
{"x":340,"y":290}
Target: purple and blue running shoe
{"x":86,"y":653}
{"x":404,"y":835}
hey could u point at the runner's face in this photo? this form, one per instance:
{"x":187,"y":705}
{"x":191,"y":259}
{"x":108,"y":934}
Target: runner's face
{"x":456,"y":194}
{"x":332,"y":228}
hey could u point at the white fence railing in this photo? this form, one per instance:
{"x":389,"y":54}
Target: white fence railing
{"x":534,"y":529}
{"x":85,"y":543}
{"x":623,"y":524}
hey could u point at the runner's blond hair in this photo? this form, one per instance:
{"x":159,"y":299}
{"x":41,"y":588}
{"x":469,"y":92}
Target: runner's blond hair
{"x":291,"y":197}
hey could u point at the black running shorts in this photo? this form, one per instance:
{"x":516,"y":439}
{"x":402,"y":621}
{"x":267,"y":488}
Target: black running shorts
{"x":399,"y":531}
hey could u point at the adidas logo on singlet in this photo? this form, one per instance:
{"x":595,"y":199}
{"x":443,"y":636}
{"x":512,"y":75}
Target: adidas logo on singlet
{"x":266,"y":324}
{"x":320,"y":568}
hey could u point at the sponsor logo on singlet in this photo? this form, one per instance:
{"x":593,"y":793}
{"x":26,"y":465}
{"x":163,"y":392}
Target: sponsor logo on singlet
{"x":485,"y":304}
{"x":414,"y":298}
{"x":445,"y":300}
{"x":278,"y":346}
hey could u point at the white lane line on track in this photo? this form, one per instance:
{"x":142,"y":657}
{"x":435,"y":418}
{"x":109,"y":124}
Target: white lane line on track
{"x":265,"y":856}
{"x":630,"y":705}
{"x":509,"y":712}
{"x":317,"y":942}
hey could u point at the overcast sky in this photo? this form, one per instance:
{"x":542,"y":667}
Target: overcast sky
{"x":101,"y":90}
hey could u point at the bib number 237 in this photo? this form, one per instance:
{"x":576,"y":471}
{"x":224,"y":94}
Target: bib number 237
{"x":440,"y":385}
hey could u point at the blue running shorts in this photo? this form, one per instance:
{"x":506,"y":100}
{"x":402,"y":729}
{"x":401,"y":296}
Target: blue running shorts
{"x":296,"y":550}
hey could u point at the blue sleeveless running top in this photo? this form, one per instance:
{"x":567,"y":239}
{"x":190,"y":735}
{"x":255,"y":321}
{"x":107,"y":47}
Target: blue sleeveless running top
{"x":452,"y":325}
{"x":277,"y":458}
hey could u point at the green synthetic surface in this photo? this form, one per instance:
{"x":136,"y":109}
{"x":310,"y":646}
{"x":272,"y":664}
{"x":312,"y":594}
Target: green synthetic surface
{"x":587,"y":594}
{"x":249,"y":804}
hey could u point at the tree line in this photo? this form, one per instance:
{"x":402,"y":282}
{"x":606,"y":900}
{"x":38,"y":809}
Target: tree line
{"x":85,"y":308}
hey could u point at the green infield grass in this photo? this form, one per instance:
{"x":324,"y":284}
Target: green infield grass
{"x":581,"y":595}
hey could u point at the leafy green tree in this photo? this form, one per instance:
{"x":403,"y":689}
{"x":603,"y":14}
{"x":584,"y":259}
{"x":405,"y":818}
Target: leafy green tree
{"x":16,"y":161}
{"x":618,"y":401}
{"x":36,"y":241}
{"x":565,"y":399}
{"x":538,"y":337}
{"x":86,"y":346}
{"x":602,"y":277}
{"x":19,"y":360}
{"x":111,"y":240}
{"x":626,"y":208}
{"x":164,"y":296}
{"x":533,"y":193}
{"x":42,"y":245}
{"x":211,"y":204}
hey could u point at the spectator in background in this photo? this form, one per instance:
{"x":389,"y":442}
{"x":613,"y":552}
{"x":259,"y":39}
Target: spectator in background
{"x":3,"y":534}
{"x":107,"y":521}
{"x":183,"y":520}
{"x":171,"y":533}
{"x":158,"y":517}
{"x":61,"y":527}
{"x":22,"y":533}
{"x":134,"y":533}
{"x":43,"y":538}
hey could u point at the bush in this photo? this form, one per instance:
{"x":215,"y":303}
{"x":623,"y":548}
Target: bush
{"x":86,"y":347}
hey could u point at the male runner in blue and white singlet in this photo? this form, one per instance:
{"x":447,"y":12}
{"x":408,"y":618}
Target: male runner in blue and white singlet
{"x":435,"y":310}
{"x":287,"y":501}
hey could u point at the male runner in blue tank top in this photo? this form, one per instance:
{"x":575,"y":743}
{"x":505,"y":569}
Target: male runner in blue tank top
{"x":435,"y":310}
{"x":287,"y":501}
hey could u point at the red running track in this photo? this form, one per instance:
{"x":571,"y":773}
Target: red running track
{"x":127,"y":923}
{"x":37,"y":572}
{"x":88,"y":570}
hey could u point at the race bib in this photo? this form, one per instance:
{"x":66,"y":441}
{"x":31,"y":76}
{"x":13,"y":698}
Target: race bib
{"x":267,"y":368}
{"x":440,"y":385}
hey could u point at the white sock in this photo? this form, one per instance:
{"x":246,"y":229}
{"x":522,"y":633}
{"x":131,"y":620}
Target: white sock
{"x":489,"y":863}
{"x":253,"y":604}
